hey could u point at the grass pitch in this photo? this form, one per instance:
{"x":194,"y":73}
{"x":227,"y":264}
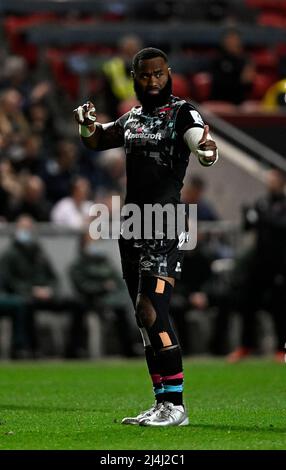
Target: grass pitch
{"x":79,"y":405}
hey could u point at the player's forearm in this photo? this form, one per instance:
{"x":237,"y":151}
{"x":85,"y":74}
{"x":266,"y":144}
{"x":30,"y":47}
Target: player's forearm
{"x":90,"y":135}
{"x":94,"y":135}
{"x":207,"y":156}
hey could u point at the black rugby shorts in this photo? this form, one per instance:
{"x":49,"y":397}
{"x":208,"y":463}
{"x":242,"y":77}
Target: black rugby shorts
{"x":151,"y":257}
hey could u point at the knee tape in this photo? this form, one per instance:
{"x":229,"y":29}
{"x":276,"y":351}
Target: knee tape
{"x":153,"y":312}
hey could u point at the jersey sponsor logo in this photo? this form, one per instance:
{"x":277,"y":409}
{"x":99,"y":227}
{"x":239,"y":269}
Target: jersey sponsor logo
{"x":142,"y":135}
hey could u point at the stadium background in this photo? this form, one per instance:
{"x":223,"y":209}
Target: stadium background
{"x":54,"y":56}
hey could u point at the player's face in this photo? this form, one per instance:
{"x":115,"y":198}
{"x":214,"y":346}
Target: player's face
{"x":152,"y":75}
{"x":152,"y":82}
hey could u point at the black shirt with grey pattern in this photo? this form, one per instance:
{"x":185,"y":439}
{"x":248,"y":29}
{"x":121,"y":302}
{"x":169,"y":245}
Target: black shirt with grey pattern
{"x":156,"y":153}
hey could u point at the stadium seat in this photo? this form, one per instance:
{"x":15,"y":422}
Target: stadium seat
{"x":221,"y":107}
{"x":15,"y":26}
{"x":261,"y":83}
{"x":65,"y":78}
{"x":278,"y":5}
{"x":266,"y":61}
{"x":181,"y":86}
{"x":201,"y":86}
{"x":272,"y":19}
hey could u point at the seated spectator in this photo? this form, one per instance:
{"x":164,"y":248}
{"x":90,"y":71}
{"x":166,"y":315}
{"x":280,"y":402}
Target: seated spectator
{"x":27,"y":272}
{"x":112,"y":164}
{"x":101,"y":288}
{"x":34,"y":155}
{"x":14,"y":307}
{"x":12,"y":120}
{"x":59,"y":172}
{"x":4,"y":204}
{"x":33,"y":201}
{"x":42,"y":124}
{"x":73,"y":211}
{"x":193,"y":192}
{"x":232,"y":71}
{"x":10,"y":189}
{"x":16,"y":75}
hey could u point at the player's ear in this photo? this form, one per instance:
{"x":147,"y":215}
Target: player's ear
{"x":132,"y":74}
{"x":170,"y":71}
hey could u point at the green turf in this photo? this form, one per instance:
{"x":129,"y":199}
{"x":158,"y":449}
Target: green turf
{"x":79,"y":405}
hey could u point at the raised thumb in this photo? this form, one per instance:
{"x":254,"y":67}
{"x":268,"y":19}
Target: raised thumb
{"x":205,"y":134}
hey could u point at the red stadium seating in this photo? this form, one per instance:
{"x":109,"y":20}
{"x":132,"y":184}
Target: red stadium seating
{"x":261,"y":83}
{"x":275,"y":19}
{"x":62,"y":75}
{"x":201,"y":86}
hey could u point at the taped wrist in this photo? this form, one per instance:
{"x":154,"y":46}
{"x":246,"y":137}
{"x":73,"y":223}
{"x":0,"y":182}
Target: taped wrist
{"x":84,"y":131}
{"x":152,"y":312}
{"x":192,"y":137}
{"x":205,"y":162}
{"x":203,"y":154}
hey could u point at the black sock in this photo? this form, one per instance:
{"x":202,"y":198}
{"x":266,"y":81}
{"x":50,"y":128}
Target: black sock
{"x":171,"y":371}
{"x":153,"y":367}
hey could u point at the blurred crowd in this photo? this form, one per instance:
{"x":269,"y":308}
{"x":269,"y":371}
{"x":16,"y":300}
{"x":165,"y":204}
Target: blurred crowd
{"x":44,"y":170}
{"x":30,"y":283}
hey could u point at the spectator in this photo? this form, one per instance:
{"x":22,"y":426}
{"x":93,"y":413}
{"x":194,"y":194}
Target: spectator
{"x":266,"y":272}
{"x":42,"y":124}
{"x":196,"y":273}
{"x":33,"y":202}
{"x":112,"y":164}
{"x":33,"y":155}
{"x":275,"y":96}
{"x":117,"y":73}
{"x":14,"y":307}
{"x":96,"y":280}
{"x":26,"y":271}
{"x":59,"y":173}
{"x":193,"y":192}
{"x":16,"y":75}
{"x":10,"y":188}
{"x":73,"y":211}
{"x":12,"y":120}
{"x":232,"y":71}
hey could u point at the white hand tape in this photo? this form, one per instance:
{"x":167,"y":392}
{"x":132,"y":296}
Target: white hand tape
{"x":90,"y":116}
{"x":205,"y":153}
{"x":80,"y":113}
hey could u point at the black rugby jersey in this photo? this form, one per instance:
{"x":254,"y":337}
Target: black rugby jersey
{"x":156,"y":154}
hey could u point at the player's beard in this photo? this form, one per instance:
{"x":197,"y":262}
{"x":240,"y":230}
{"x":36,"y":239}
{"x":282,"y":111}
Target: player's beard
{"x":149,"y":101}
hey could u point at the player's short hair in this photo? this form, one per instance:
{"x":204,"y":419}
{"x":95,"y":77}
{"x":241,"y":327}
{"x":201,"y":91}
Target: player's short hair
{"x":147,"y":53}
